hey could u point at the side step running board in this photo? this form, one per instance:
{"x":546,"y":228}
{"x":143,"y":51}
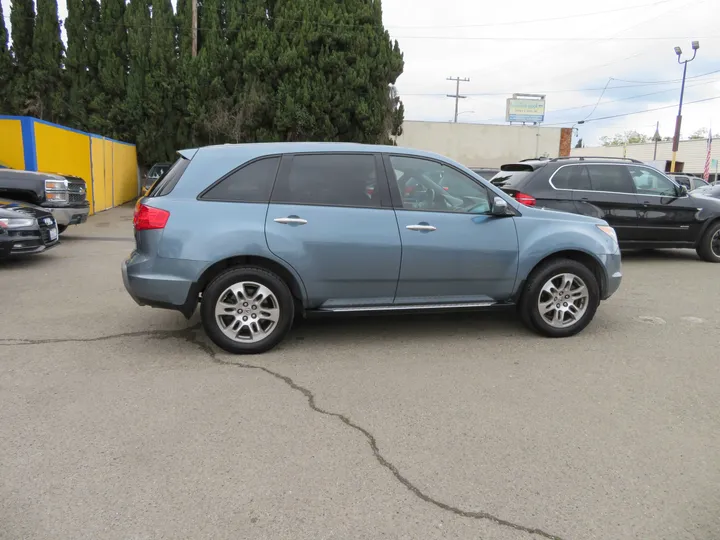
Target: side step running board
{"x":408,"y":307}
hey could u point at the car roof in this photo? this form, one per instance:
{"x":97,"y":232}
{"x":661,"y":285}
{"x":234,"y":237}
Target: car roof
{"x":259,"y":149}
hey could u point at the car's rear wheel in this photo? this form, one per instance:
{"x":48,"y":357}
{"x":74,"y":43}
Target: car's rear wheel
{"x":709,"y":247}
{"x":560,"y":298}
{"x":247,"y":310}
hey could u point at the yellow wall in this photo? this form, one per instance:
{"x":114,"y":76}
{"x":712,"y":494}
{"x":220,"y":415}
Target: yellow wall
{"x":63,"y":151}
{"x":109,"y":191}
{"x":98,"y":173}
{"x":125,"y":182}
{"x":11,"y":144}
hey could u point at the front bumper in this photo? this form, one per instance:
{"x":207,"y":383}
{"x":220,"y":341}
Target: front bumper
{"x":27,"y":241}
{"x":67,"y":215}
{"x":613,"y":274}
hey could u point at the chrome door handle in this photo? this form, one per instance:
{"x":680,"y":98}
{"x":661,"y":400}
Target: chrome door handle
{"x":290,"y":221}
{"x":427,"y":228}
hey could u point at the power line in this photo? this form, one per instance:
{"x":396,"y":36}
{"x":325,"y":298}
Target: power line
{"x":598,"y":101}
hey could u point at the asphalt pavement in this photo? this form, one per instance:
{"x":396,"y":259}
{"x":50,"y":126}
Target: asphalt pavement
{"x":122,"y":422}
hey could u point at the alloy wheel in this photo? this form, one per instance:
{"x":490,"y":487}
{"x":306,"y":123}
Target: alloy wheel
{"x":563,"y":300}
{"x":247,"y":312}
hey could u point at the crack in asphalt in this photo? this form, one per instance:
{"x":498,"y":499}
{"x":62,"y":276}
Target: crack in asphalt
{"x":190,"y":335}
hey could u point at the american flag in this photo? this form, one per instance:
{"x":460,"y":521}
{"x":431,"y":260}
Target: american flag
{"x":706,"y":173}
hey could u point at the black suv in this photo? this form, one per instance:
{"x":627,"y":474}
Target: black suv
{"x":646,"y":208}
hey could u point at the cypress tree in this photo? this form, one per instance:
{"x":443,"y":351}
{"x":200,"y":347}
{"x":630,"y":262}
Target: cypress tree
{"x":22,"y":21}
{"x":161,"y":87}
{"x":81,"y":60}
{"x":108,"y":106}
{"x":6,"y":68}
{"x":47,"y":95}
{"x":138,"y":22}
{"x":186,"y":132}
{"x":336,"y":64}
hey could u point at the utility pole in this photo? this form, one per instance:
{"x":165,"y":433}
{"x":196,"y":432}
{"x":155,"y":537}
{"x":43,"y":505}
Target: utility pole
{"x":457,"y":95}
{"x":656,"y":138}
{"x":194,"y":28}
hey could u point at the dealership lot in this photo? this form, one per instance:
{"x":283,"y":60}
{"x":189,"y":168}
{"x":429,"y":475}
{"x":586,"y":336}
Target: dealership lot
{"x":122,"y":422}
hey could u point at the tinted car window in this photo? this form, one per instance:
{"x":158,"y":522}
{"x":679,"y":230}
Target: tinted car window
{"x":165,"y":184}
{"x":250,"y":183}
{"x":612,"y":178}
{"x":510,"y":179}
{"x":650,"y":182}
{"x":330,"y":179}
{"x":572,"y":177}
{"x":429,"y":185}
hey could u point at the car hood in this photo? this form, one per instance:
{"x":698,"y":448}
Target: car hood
{"x":10,"y":208}
{"x":550,"y":213}
{"x":706,"y":202}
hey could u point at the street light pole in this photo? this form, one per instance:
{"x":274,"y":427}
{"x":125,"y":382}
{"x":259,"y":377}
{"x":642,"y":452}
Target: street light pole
{"x":678,"y":120}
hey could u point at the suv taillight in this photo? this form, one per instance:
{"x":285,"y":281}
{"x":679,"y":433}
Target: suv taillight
{"x":147,"y":217}
{"x":524,"y":198}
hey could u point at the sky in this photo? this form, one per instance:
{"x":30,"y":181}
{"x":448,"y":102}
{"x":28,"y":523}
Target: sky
{"x":590,"y":59}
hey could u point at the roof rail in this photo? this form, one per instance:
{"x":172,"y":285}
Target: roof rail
{"x":583,"y":158}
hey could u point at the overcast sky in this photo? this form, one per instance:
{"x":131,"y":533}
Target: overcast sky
{"x":569,"y":50}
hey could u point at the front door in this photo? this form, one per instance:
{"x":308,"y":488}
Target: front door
{"x":332,"y":221}
{"x":611,"y":197}
{"x":665,"y":216}
{"x":453,"y":250}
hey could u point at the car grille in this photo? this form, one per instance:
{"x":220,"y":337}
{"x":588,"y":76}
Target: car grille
{"x":77,"y":191}
{"x":45,"y":231}
{"x":77,"y":197}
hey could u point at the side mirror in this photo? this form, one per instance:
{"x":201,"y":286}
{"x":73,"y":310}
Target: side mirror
{"x":682,"y":191}
{"x":500,"y":207}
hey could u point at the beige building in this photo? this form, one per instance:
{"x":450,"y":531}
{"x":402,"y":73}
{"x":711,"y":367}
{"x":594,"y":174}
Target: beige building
{"x":486,"y":145}
{"x":691,"y":153}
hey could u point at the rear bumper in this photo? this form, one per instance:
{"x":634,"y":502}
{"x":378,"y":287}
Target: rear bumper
{"x":613,"y":274}
{"x":149,"y":284}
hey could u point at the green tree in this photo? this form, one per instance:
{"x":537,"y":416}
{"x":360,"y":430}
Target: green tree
{"x":6,"y":68}
{"x":161,"y":87}
{"x":81,"y":60}
{"x":138,"y":22}
{"x":22,"y":22}
{"x":108,"y":105}
{"x":621,"y":139}
{"x":336,"y":63}
{"x":701,"y":133}
{"x":186,"y":132}
{"x":47,"y":97}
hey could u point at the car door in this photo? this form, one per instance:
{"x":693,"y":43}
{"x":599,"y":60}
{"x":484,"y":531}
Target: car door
{"x":453,"y":250}
{"x":333,"y":222}
{"x":611,"y":197}
{"x":666,"y":214}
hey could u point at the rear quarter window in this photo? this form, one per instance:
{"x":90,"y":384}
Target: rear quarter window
{"x":165,"y":184}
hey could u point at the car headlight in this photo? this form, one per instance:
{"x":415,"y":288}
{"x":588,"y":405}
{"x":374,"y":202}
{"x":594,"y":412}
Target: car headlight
{"x":16,"y":223}
{"x":609,"y":231}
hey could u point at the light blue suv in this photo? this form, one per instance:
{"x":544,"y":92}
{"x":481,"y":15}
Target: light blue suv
{"x":262,"y":233}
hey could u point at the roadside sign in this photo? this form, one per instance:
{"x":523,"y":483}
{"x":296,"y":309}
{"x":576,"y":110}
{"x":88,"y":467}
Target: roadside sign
{"x":519,"y":109}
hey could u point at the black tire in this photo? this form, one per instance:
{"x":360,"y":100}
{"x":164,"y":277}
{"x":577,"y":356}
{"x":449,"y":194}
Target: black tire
{"x":528,"y":307}
{"x":705,"y":248}
{"x":217,"y":286}
{"x":62,"y":228}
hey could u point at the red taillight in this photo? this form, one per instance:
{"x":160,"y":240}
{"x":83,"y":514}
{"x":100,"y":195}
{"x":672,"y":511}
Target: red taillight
{"x":147,"y":217}
{"x":524,"y":198}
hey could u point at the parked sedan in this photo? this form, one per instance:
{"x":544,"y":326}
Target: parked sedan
{"x":262,"y":233}
{"x":25,"y":229}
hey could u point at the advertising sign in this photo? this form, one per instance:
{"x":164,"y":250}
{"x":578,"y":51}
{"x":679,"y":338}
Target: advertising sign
{"x":525,"y":110}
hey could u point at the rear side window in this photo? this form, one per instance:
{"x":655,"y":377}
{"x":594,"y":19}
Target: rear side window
{"x":252,"y":182}
{"x":572,"y":177}
{"x":330,"y":180}
{"x":611,"y":178}
{"x":165,"y":184}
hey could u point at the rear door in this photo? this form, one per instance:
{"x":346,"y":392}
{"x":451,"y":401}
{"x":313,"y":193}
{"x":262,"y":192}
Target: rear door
{"x":664,"y":216}
{"x":612,"y":197}
{"x":332,"y":221}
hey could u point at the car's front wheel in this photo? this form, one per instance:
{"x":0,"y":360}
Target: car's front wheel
{"x":247,"y":310}
{"x":560,"y":298}
{"x":709,"y":247}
